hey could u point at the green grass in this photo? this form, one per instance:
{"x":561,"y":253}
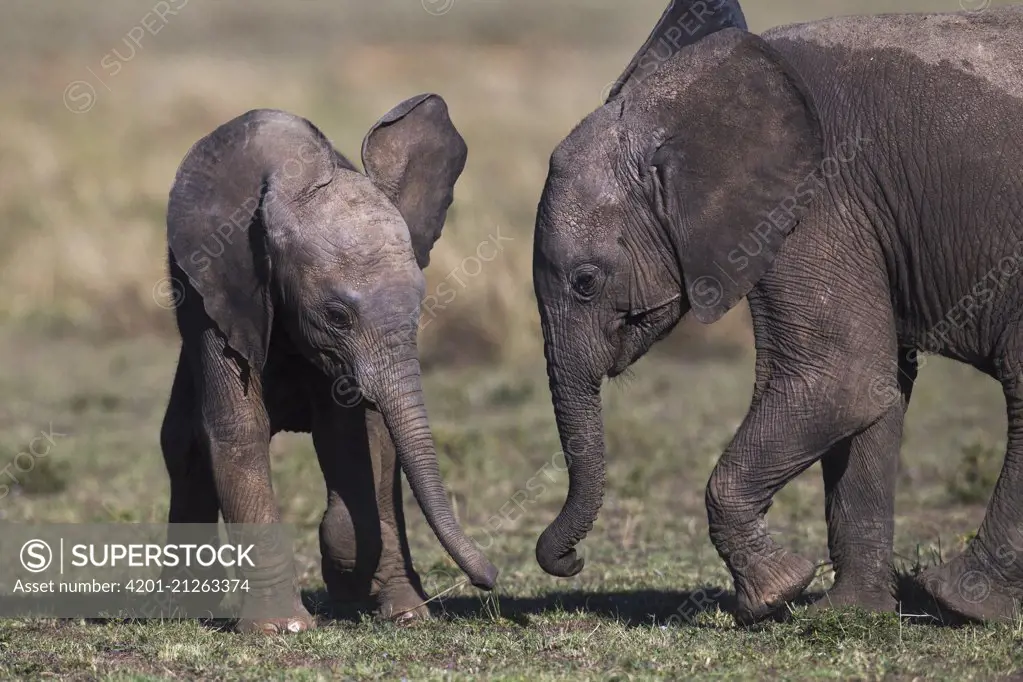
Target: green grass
{"x":651,"y":602}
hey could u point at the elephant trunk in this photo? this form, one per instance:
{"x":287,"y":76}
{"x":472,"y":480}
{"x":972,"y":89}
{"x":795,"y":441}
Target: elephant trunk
{"x":581,"y":429}
{"x":400,"y":402}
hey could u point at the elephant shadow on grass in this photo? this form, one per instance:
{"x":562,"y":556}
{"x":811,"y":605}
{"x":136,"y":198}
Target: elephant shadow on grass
{"x":631,"y":608}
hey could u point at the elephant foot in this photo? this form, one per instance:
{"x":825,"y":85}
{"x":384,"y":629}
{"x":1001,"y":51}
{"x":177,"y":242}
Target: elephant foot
{"x":397,"y":600}
{"x":967,"y":590}
{"x":866,"y":581}
{"x":300,"y":620}
{"x":402,"y":603}
{"x":768,"y":582}
{"x":347,"y":587}
{"x":845,"y":596}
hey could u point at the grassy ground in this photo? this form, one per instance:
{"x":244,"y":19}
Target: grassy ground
{"x":649,"y":601}
{"x":89,"y":350}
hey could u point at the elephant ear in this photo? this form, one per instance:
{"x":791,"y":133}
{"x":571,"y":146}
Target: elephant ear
{"x":229,"y":218}
{"x":737,"y":167}
{"x":683,"y":23}
{"x":415,"y":155}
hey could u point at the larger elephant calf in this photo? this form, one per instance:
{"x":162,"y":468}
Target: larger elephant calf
{"x":300,"y":281}
{"x":861,"y":181}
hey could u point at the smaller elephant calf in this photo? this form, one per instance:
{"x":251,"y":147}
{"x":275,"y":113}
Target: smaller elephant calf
{"x":299,"y":281}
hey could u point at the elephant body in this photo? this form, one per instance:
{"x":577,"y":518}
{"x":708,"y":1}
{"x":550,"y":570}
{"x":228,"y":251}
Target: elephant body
{"x":858,"y":180}
{"x":917,"y":247}
{"x":298,"y":281}
{"x":933,"y":106}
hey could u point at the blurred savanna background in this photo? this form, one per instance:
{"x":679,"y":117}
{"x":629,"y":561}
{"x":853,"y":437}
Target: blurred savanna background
{"x":101,"y":101}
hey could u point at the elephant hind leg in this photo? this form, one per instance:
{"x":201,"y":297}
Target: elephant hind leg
{"x":350,"y":543}
{"x":985,"y":583}
{"x":859,"y":489}
{"x":349,"y":550}
{"x":193,"y":492}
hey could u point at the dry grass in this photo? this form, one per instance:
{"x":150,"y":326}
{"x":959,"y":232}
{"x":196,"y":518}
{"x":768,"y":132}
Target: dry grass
{"x":82,"y":196}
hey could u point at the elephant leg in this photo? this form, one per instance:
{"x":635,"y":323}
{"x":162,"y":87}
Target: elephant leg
{"x":362,"y":537}
{"x":234,"y":434}
{"x":802,"y":411}
{"x":985,"y":582}
{"x":193,"y":494}
{"x":401,"y":594}
{"x":859,"y":490}
{"x":826,"y":372}
{"x":350,"y":541}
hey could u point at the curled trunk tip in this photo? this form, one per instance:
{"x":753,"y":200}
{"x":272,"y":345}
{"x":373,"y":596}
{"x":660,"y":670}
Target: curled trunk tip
{"x":580,"y":427}
{"x":563,"y":565}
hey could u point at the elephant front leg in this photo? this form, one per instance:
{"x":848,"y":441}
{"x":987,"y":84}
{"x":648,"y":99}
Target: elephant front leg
{"x":364,"y":551}
{"x":234,"y":432}
{"x":859,"y":494}
{"x":401,"y":595}
{"x":791,"y":425}
{"x":765,"y":575}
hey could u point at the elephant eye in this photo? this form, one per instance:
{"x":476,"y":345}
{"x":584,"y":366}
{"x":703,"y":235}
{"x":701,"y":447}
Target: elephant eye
{"x":586,"y":281}
{"x":341,"y":316}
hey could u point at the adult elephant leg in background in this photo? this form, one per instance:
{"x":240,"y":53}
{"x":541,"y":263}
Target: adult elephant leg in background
{"x":363,"y":546}
{"x":859,"y":492}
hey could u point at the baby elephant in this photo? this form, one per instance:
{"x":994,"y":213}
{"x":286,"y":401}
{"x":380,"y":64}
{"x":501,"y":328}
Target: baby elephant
{"x":299,"y":282}
{"x":857,"y":179}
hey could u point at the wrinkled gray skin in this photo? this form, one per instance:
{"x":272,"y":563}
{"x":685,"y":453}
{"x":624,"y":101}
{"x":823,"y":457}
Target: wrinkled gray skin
{"x":859,"y":180}
{"x":301,"y":281}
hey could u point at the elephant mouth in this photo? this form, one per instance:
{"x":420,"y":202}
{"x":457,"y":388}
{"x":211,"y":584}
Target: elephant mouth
{"x":638,"y":331}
